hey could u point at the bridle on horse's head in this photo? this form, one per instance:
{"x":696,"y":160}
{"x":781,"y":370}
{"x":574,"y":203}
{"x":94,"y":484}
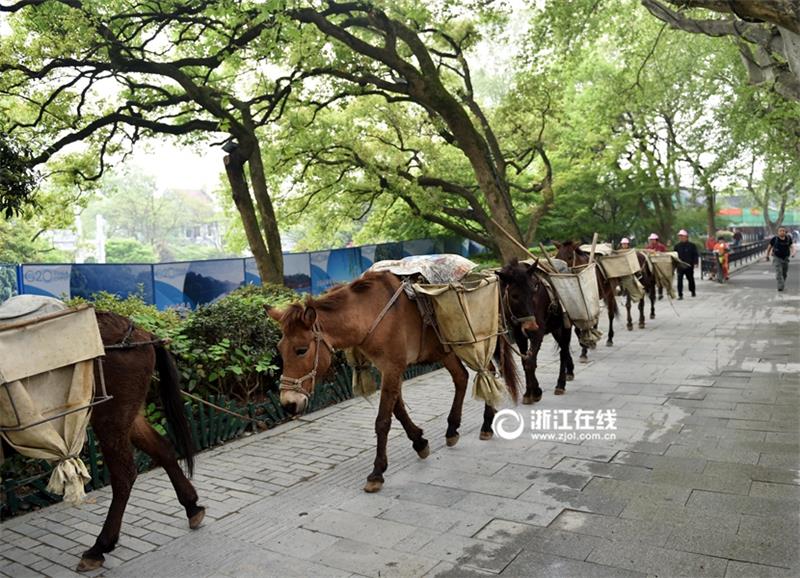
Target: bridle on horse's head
{"x":296,"y":383}
{"x":507,"y":307}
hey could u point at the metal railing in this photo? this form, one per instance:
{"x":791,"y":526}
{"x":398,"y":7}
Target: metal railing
{"x":741,"y":254}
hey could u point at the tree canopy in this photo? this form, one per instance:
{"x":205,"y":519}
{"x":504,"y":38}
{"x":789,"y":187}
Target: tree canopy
{"x":377,"y":120}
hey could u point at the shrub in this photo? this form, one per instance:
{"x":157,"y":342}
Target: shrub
{"x":230,"y":347}
{"x":148,"y":317}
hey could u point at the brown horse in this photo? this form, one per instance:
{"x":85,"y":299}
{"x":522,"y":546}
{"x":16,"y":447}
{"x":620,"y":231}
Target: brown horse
{"x":374,"y":315}
{"x":128,"y":368}
{"x":648,"y":281}
{"x":571,"y":253}
{"x":532,"y":313}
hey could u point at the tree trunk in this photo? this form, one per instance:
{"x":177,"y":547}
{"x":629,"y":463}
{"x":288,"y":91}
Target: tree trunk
{"x":234,"y":167}
{"x":268,"y":221}
{"x":711,"y":212}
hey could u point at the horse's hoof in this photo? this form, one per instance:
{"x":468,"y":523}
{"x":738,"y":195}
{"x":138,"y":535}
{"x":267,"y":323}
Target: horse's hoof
{"x":609,"y":344}
{"x":452,"y":440}
{"x":529,"y":399}
{"x":197,"y":519}
{"x":424,"y":452}
{"x":583,"y":359}
{"x":570,"y":376}
{"x":486,"y":435}
{"x":89,"y":564}
{"x":373,"y":486}
{"x":641,"y":326}
{"x":560,"y":391}
{"x":630,"y":327}
{"x":652,"y":316}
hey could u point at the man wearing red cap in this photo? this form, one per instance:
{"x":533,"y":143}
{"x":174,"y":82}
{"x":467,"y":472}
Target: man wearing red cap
{"x":687,"y":252}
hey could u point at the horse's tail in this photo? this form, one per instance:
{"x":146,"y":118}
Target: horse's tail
{"x":509,"y":368}
{"x":170,"y":391}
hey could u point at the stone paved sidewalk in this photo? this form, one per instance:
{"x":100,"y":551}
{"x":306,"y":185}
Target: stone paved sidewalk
{"x":701,"y":480}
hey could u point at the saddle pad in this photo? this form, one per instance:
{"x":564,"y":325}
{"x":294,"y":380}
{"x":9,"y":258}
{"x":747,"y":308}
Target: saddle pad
{"x":435,"y":269}
{"x":22,"y":306}
{"x":599,"y":249}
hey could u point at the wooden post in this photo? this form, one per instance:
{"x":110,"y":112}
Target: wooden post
{"x":594,"y":244}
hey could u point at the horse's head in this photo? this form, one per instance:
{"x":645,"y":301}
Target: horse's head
{"x":519,"y":286}
{"x":306,"y":354}
{"x":566,"y":251}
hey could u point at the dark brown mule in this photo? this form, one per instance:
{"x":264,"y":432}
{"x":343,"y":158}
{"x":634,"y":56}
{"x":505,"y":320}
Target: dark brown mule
{"x":648,"y":281}
{"x":373,"y":314}
{"x":119,"y":423}
{"x":532,"y":314}
{"x":571,"y":253}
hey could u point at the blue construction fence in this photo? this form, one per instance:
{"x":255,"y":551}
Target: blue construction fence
{"x":187,"y":284}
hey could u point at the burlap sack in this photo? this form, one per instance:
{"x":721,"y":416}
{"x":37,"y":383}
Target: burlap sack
{"x":46,"y":369}
{"x":468,"y":321}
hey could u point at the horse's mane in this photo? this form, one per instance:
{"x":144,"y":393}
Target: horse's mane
{"x":338,"y":295}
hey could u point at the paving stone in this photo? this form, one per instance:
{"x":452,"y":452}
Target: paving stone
{"x":656,"y":561}
{"x":480,"y":554}
{"x":604,"y":470}
{"x":747,"y":570}
{"x":369,"y":530}
{"x":653,"y":532}
{"x":436,"y":518}
{"x":369,"y":560}
{"x":677,"y":515}
{"x":773,"y":490}
{"x":751,"y":505}
{"x":533,"y":563}
{"x":770,"y":550}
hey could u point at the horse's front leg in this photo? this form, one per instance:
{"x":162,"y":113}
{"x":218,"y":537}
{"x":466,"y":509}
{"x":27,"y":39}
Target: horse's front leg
{"x":653,"y":302}
{"x":414,"y":432}
{"x":488,"y":417}
{"x":611,"y":307}
{"x":460,"y":379}
{"x":628,"y":308}
{"x":390,"y":393}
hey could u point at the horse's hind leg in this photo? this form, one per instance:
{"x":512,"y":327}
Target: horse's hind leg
{"x":118,"y":455}
{"x":157,"y":447}
{"x":641,"y":312}
{"x":414,"y":433}
{"x":563,"y":337}
{"x":460,"y":379}
{"x":533,"y":392}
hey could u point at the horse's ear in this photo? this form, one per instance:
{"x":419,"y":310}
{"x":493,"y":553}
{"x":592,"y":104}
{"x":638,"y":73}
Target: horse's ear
{"x":309,"y":316}
{"x":504,"y":277}
{"x":532,"y":268}
{"x":274,"y":312}
{"x":557,"y":244}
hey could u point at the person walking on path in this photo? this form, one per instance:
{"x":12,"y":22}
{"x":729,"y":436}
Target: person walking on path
{"x":781,"y":248}
{"x":687,"y":252}
{"x":721,"y":253}
{"x":624,"y":244}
